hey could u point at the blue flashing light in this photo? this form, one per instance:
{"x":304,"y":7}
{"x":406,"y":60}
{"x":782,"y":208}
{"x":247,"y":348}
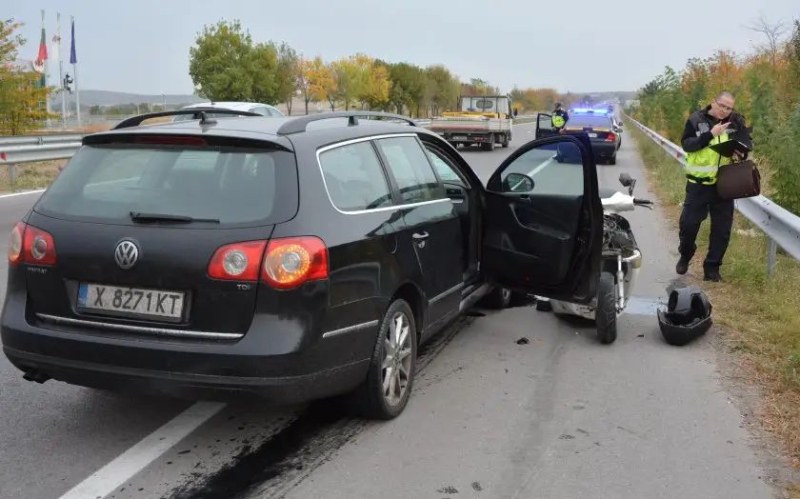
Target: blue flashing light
{"x":583,"y":110}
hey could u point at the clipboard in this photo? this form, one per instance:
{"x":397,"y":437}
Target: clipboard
{"x":728,"y":147}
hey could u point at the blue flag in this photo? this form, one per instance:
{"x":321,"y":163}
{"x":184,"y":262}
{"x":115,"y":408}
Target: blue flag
{"x":73,"y":59}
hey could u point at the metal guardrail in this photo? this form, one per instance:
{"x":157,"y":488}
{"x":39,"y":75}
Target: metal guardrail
{"x":35,"y":140}
{"x":11,"y":156}
{"x":780,"y":225}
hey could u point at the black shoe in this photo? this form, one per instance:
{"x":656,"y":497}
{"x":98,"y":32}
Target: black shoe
{"x":682,"y":267}
{"x":712,"y":275}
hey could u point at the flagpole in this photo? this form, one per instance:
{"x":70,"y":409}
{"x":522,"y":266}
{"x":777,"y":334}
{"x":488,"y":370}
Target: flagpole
{"x":44,"y":75}
{"x":57,"y":39}
{"x":74,"y":60}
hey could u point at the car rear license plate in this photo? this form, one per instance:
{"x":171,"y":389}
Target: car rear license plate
{"x":459,"y":137}
{"x":592,"y":135}
{"x":131,"y":302}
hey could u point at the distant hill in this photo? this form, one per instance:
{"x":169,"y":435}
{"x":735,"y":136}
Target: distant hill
{"x":107,"y":98}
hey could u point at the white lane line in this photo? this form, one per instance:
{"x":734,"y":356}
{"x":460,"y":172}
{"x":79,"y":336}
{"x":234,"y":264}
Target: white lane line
{"x":540,"y":167}
{"x":108,"y":478}
{"x":534,"y":172}
{"x":15,"y":194}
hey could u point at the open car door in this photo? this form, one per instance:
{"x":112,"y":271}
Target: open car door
{"x":544,"y":126}
{"x":543,"y":221}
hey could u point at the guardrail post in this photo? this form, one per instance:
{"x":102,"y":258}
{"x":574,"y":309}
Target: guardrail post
{"x":12,"y":175}
{"x":772,"y":255}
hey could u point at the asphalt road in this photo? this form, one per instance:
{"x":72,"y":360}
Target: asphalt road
{"x":558,"y":417}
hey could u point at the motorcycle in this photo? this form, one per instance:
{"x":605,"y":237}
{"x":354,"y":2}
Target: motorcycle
{"x":621,"y":263}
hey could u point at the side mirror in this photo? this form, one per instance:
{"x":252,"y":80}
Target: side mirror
{"x":627,"y":181}
{"x":518,"y":182}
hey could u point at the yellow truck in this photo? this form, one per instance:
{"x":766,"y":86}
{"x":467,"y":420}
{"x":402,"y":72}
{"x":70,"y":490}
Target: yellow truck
{"x":485,"y":120}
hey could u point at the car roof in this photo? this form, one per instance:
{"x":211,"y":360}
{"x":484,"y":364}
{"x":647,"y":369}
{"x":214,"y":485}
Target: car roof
{"x":235,"y":105}
{"x":318,"y":133}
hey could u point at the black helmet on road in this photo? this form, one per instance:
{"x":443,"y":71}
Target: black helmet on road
{"x":688,"y":316}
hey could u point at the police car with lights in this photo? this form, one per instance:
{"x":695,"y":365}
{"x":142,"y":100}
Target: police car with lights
{"x":604,"y":132}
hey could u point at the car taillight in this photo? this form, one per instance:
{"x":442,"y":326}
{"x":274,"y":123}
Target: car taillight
{"x":15,"y":244}
{"x":292,"y":261}
{"x":31,"y":245}
{"x":611,"y":137}
{"x":238,"y":261}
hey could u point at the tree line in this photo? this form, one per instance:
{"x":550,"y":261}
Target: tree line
{"x":766,"y":85}
{"x":226,"y":64}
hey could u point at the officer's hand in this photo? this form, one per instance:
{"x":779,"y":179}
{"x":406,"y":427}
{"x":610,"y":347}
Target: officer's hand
{"x":719,"y":129}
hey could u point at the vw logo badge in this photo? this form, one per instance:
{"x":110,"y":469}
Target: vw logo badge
{"x":126,"y":255}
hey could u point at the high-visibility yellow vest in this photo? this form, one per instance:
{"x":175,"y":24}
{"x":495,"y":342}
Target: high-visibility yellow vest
{"x":702,"y":165}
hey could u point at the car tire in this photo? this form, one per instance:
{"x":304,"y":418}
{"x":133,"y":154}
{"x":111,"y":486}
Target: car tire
{"x":490,"y":144}
{"x":498,"y":298}
{"x":606,"y":311}
{"x":506,"y":140}
{"x":613,"y":160}
{"x":371,"y":399}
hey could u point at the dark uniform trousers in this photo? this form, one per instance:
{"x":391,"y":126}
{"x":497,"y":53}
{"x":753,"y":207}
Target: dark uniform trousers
{"x":700,"y":201}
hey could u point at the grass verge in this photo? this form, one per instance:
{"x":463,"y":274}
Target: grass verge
{"x":760,"y":314}
{"x":30,"y":176}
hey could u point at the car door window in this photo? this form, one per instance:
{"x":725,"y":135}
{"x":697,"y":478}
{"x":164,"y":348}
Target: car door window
{"x":263,"y":111}
{"x":556,"y":170}
{"x":443,"y":167}
{"x":411,"y":169}
{"x":354,"y":177}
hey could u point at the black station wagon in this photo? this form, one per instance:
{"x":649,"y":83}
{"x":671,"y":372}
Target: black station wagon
{"x":298,"y":258}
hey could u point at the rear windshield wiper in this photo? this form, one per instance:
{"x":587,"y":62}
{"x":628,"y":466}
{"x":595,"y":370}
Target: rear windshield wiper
{"x":165,"y":217}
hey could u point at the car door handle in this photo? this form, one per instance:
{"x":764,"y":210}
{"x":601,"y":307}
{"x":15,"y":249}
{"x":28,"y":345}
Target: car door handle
{"x":419,"y":236}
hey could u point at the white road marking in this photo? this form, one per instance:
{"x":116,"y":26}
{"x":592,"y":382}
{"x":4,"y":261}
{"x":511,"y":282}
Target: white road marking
{"x":108,"y":478}
{"x":15,"y":194}
{"x":540,"y":167}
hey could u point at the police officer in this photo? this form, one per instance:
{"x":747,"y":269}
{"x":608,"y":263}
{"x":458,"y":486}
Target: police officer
{"x":559,"y":117}
{"x":717,"y":123}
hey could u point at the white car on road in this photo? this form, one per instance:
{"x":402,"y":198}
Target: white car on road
{"x":253,"y":107}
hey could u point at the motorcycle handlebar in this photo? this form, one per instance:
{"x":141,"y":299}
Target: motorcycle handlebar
{"x":642,"y":202}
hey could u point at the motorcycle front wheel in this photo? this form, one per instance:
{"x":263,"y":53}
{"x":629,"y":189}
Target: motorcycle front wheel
{"x":606,"y":312}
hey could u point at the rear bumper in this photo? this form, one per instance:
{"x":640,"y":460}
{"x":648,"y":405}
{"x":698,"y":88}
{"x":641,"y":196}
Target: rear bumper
{"x":466,"y":136}
{"x":281,"y":365}
{"x":276,"y":390}
{"x":604,"y":149}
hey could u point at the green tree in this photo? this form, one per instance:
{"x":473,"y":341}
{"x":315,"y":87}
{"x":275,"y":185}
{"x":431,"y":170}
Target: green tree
{"x":442,"y":89}
{"x":22,"y":99}
{"x":225,"y":65}
{"x":408,"y":86}
{"x":287,"y":76}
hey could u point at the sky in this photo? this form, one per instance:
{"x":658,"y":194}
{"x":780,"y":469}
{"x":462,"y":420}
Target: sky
{"x":578,"y":46}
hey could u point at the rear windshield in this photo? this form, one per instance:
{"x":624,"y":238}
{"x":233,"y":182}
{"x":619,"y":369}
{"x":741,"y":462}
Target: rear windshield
{"x":107,"y":183}
{"x":589,"y":121}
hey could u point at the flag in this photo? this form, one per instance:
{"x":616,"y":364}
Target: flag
{"x":73,"y":59}
{"x":41,"y":57}
{"x":56,"y":50}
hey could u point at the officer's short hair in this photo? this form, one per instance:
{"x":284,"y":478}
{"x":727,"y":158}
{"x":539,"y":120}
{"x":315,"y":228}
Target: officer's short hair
{"x":727,"y":94}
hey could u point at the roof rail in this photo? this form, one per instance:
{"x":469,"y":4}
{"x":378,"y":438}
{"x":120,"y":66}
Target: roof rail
{"x":298,"y":125}
{"x":196,"y":112}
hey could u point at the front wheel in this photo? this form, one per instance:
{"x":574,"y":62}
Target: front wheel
{"x":385,"y":392}
{"x":606,"y":312}
{"x":498,"y":298}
